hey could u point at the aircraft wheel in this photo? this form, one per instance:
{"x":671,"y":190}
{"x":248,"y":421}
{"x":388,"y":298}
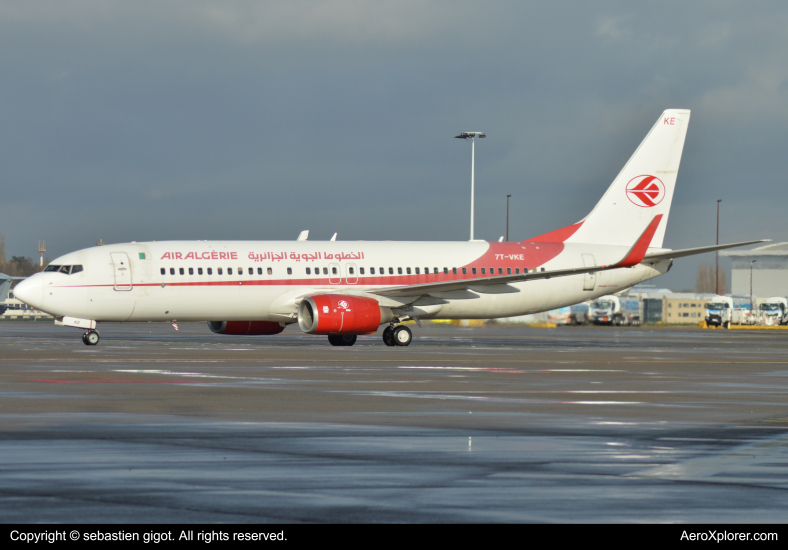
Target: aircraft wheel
{"x":402,"y":336}
{"x":85,"y":339}
{"x":347,"y":339}
{"x":388,"y":336}
{"x":91,"y":337}
{"x":342,"y":339}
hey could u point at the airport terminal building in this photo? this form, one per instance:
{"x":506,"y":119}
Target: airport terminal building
{"x":769,"y":270}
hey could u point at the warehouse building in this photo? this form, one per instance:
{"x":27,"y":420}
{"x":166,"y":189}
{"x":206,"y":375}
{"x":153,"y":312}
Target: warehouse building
{"x":769,"y":270}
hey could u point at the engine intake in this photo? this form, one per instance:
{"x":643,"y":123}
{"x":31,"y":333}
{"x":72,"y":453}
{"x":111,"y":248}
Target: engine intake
{"x":245,"y":327}
{"x":341,"y":314}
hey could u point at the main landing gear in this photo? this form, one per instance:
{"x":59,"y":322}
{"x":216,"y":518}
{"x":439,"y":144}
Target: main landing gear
{"x":397,"y":336}
{"x":341,"y":339}
{"x":90,"y":338}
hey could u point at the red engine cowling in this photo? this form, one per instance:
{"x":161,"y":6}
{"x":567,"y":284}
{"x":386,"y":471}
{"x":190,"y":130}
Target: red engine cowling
{"x":340,"y":314}
{"x":245,"y":327}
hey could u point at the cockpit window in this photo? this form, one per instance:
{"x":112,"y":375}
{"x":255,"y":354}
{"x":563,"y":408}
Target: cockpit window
{"x":67,"y":269}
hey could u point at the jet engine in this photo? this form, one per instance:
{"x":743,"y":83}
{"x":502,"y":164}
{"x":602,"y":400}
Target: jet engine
{"x":341,"y":314}
{"x":245,"y":327}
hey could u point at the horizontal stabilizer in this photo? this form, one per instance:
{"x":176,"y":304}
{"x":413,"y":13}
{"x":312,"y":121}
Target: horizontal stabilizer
{"x":671,"y":254}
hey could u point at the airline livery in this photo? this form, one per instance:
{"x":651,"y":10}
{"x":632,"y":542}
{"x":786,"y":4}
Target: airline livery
{"x":343,"y":289}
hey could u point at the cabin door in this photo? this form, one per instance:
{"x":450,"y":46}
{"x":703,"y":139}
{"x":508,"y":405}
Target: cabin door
{"x":122,"y":267}
{"x":589,"y":281}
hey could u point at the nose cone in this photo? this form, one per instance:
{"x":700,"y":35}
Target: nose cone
{"x":31,"y":291}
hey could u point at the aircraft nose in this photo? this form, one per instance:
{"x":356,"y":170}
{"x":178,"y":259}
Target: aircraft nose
{"x":30,"y":291}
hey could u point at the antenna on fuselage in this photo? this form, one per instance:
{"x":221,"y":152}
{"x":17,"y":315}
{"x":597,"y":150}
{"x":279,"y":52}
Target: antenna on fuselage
{"x":334,"y":237}
{"x":303,"y":236}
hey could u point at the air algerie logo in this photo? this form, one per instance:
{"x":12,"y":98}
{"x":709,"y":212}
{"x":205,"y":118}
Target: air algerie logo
{"x":646,"y":191}
{"x":343,"y":304}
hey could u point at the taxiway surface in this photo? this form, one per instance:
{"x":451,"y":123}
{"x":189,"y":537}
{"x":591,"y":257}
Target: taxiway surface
{"x":490,"y":424}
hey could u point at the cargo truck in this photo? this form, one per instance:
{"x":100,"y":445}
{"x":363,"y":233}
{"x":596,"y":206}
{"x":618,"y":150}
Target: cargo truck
{"x":614,"y":310}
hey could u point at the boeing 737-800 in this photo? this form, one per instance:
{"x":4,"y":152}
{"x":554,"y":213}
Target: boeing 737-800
{"x":343,"y":289}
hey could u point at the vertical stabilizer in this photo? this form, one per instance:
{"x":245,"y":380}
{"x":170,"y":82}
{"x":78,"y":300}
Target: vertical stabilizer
{"x":642,"y":190}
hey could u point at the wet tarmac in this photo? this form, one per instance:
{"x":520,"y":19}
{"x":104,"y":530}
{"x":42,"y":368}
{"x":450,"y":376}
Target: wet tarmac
{"x":490,"y":424}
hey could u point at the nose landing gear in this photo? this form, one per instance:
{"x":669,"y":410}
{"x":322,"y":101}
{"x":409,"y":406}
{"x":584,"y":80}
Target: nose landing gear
{"x":90,"y":338}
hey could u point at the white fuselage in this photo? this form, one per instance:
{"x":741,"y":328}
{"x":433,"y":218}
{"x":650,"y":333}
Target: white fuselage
{"x":265,"y":280}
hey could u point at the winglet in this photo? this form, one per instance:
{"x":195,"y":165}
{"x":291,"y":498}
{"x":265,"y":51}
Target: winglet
{"x":639,"y":249}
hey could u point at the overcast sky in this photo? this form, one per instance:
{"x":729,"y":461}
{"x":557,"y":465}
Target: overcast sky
{"x":144,"y":120}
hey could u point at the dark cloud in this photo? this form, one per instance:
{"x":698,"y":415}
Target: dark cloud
{"x":254,"y":120}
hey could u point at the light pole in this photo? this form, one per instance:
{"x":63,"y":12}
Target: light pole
{"x":717,"y":254}
{"x":751,"y":262}
{"x":472,"y":136}
{"x":507,"y":218}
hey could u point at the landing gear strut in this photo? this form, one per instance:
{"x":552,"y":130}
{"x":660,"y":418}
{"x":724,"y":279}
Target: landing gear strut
{"x":341,"y":339}
{"x":90,"y":338}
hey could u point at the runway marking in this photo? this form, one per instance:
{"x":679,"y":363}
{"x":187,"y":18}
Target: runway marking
{"x":53,"y":381}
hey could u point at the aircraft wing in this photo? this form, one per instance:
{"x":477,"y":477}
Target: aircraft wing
{"x":426,"y":288}
{"x":633,"y":257}
{"x":671,"y":254}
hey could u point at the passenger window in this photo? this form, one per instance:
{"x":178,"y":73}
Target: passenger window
{"x":251,"y":271}
{"x":454,"y":270}
{"x":445,"y":270}
{"x":371,"y":270}
{"x":163,"y":271}
{"x":180,"y":270}
{"x":361,"y":270}
{"x":308,"y":271}
{"x":76,"y":269}
{"x":199,"y":271}
{"x":483,"y":271}
{"x":325,"y":271}
{"x":407,"y":270}
{"x":399,"y":270}
{"x":436,"y":271}
{"x":219,"y":271}
{"x":517,"y":271}
{"x":508,"y":270}
{"x":525,"y":270}
{"x":172,"y":271}
{"x":210,"y":271}
{"x":191,"y":271}
{"x":333,"y":270}
{"x":382,"y":271}
{"x":418,"y":271}
{"x":500,"y":271}
{"x":391,"y":271}
{"x":229,"y":270}
{"x":270,"y":271}
{"x":289,"y":270}
{"x":473,"y":270}
{"x":240,"y":271}
{"x":464,"y":271}
{"x":350,"y":270}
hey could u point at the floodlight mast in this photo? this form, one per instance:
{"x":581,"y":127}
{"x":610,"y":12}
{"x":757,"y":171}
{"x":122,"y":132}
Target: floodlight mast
{"x":472,"y":136}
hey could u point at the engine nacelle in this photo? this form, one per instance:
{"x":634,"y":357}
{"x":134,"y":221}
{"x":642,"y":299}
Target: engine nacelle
{"x":341,"y":314}
{"x":245,"y":327}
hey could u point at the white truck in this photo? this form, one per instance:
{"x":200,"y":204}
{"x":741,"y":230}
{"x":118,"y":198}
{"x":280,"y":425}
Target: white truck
{"x":614,"y":310}
{"x":774,"y":311}
{"x":721,"y":312}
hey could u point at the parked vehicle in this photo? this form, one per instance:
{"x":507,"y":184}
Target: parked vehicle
{"x":774,"y":311}
{"x":721,"y":312}
{"x":614,"y":310}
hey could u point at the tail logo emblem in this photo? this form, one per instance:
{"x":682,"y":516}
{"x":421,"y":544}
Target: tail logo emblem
{"x":645,"y":191}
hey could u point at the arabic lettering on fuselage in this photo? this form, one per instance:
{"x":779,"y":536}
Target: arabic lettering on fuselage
{"x":265,"y":256}
{"x":304,"y":256}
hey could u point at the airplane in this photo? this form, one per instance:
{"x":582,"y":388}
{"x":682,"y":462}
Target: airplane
{"x":345,"y":289}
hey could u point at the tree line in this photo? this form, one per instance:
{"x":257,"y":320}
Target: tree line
{"x":17,"y":266}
